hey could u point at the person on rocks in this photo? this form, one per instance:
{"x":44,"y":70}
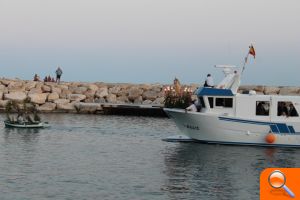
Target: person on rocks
{"x":58,"y":74}
{"x":36,"y":78}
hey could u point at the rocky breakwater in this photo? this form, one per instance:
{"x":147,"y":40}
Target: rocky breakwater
{"x":77,"y":96}
{"x":91,"y":97}
{"x":271,"y":90}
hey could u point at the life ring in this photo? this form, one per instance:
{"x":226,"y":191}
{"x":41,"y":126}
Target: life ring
{"x":270,"y":138}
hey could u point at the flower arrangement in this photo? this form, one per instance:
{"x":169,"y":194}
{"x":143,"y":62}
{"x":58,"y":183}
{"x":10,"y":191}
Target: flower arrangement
{"x":177,"y":98}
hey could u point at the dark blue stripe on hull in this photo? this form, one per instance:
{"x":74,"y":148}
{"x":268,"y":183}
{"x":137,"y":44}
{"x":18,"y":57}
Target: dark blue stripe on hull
{"x":291,"y":128}
{"x":248,"y":144}
{"x":274,"y":127}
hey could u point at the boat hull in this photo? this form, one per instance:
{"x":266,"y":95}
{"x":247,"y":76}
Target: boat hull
{"x":15,"y":125}
{"x":212,"y":128}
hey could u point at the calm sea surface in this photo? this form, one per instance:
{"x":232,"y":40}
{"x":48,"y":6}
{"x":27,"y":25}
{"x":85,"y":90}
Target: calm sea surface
{"x":115,"y":157}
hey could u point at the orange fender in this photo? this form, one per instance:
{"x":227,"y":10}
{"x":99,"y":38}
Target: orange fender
{"x":270,"y":138}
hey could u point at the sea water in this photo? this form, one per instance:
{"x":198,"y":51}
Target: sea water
{"x":121,"y":157}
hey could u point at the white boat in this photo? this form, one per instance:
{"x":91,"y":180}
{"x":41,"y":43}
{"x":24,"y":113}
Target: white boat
{"x":227,"y":117}
{"x":25,"y":125}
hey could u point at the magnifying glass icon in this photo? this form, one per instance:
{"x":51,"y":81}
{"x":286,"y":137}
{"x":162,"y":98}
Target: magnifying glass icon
{"x":277,"y":180}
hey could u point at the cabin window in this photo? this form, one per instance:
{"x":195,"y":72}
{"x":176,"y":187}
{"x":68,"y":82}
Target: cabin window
{"x":263,"y":108}
{"x":286,"y":108}
{"x":224,"y":102}
{"x":211,"y":102}
{"x":202,"y":102}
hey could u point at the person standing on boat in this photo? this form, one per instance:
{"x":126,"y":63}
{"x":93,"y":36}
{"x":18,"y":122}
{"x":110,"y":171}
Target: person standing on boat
{"x":209,"y":82}
{"x":58,"y":74}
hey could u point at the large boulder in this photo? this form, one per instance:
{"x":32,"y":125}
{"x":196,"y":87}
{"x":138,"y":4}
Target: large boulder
{"x":122,"y":100}
{"x":47,"y":107}
{"x":29,"y":85}
{"x":147,"y":102}
{"x":290,"y":91}
{"x":102,"y":92}
{"x":5,"y":82}
{"x":87,"y":107}
{"x":93,"y":87}
{"x":259,"y":88}
{"x":89,"y":100}
{"x":159,"y":101}
{"x":39,"y":85}
{"x":53,"y":96}
{"x":123,"y":92}
{"x":56,"y":89}
{"x":16,"y":86}
{"x":90,"y":94}
{"x":46,"y":88}
{"x":38,"y":98}
{"x":1,"y":95}
{"x":68,"y":107}
{"x":78,"y":90}
{"x":62,"y":87}
{"x":15,"y":96}
{"x":3,"y":89}
{"x":157,"y":87}
{"x":35,"y":91}
{"x":77,"y":97}
{"x":134,"y":93}
{"x":111,"y":98}
{"x":50,"y":84}
{"x":100,"y":100}
{"x":247,"y":87}
{"x":3,"y":103}
{"x":145,"y":87}
{"x":114,"y":90}
{"x":271,"y":90}
{"x":65,"y":94}
{"x":62,"y":101}
{"x":138,"y":100}
{"x":150,"y":95}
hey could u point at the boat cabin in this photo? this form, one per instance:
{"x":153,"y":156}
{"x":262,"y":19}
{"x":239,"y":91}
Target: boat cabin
{"x":249,"y":106}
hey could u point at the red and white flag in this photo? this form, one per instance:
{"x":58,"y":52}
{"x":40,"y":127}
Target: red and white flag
{"x":252,"y":51}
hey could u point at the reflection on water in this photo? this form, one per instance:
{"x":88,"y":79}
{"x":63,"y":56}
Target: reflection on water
{"x":115,"y":157}
{"x":26,"y":135}
{"x":220,"y":171}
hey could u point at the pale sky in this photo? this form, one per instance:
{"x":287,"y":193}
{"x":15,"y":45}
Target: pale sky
{"x":148,"y":41}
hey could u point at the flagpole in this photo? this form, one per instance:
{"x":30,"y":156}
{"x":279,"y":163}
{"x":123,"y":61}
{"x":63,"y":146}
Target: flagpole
{"x":246,"y":58}
{"x":245,"y":61}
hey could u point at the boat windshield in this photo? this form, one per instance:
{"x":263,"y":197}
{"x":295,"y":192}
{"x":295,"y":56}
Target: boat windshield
{"x":201,"y":101}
